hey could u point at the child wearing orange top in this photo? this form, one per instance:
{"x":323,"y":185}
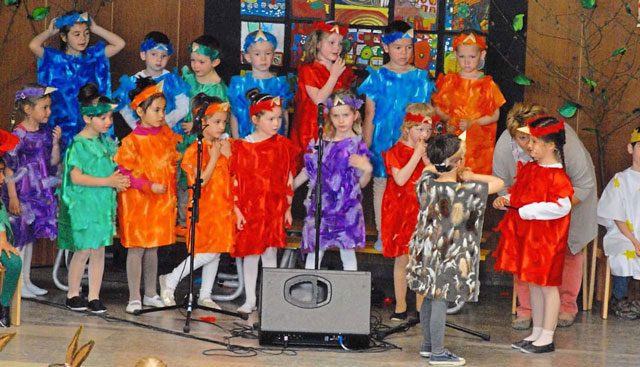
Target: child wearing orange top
{"x":470,"y":101}
{"x":323,"y":72}
{"x":147,"y":209}
{"x":215,"y":229}
{"x":263,"y":164}
{"x":404,"y":164}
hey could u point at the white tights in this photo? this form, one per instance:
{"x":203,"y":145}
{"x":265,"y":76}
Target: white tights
{"x":139,"y":259}
{"x":209,"y":264}
{"x":96,"y":270}
{"x":250,"y":270}
{"x":348,"y":257}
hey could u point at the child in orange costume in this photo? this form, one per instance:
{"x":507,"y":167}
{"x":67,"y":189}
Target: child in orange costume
{"x":215,"y":229}
{"x":470,"y":101}
{"x":147,"y":209}
{"x":263,"y":164}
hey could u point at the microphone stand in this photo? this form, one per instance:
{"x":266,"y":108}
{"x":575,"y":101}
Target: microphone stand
{"x":318,"y":187}
{"x":413,"y":322}
{"x":196,"y":188}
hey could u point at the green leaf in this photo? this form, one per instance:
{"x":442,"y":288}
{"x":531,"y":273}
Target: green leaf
{"x":518,"y":22}
{"x":590,"y":129}
{"x":10,"y":2}
{"x":569,"y":109}
{"x":619,"y":51}
{"x":589,"y":4}
{"x":627,"y":7}
{"x":605,"y":97}
{"x":591,"y":83}
{"x":40,"y":13}
{"x":522,"y":79}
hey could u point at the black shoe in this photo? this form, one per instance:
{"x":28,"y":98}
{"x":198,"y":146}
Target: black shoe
{"x":418,"y":316}
{"x":76,"y":303}
{"x":521,"y":344}
{"x":399,"y":316}
{"x":96,"y":306}
{"x":539,"y":349}
{"x":5,"y":316}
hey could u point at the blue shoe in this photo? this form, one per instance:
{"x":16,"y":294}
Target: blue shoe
{"x":446,"y":359}
{"x":425,"y":350}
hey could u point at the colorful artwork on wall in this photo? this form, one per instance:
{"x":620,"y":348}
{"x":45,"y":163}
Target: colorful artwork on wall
{"x":361,"y":15}
{"x":425,"y":52}
{"x":421,"y":14}
{"x":363,"y":47}
{"x":467,"y":14}
{"x":277,"y":29}
{"x":263,"y":8}
{"x":299,"y":32}
{"x":316,"y":9}
{"x":369,"y":3}
{"x":450,"y":61}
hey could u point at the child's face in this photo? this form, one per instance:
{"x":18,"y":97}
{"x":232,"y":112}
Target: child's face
{"x":202,"y":64}
{"x":214,"y":125}
{"x":420,"y":132}
{"x":540,"y":149}
{"x":154,"y":115}
{"x":78,"y":37}
{"x":260,"y":56}
{"x":634,"y":150}
{"x":523,"y":141}
{"x":155,"y":60}
{"x":40,"y":111}
{"x":269,"y":122}
{"x":469,"y":57}
{"x":400,"y":51}
{"x":342,"y":118}
{"x":100,"y":124}
{"x":330,"y":47}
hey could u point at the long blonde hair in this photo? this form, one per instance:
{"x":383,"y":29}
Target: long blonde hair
{"x":422,"y":109}
{"x":329,"y":129}
{"x":310,"y":47}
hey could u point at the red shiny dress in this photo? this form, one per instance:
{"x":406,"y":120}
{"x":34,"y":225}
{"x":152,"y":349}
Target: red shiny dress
{"x":262,"y":172}
{"x":305,"y":126}
{"x":399,"y":204}
{"x":534,"y":250}
{"x":461,"y":98}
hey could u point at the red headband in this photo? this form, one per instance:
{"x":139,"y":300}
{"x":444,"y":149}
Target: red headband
{"x":330,"y":28}
{"x":418,"y":118}
{"x":546,"y":130}
{"x":267,"y":104}
{"x":469,"y":39}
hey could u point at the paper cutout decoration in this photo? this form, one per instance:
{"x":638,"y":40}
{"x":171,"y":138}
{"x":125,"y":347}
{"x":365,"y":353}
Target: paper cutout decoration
{"x":522,"y":79}
{"x":425,"y":52}
{"x":263,"y":8}
{"x":569,"y":109}
{"x":421,"y":14}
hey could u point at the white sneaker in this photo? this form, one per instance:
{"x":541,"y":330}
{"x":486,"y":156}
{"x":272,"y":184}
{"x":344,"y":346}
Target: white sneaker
{"x":154,"y":301}
{"x":208,"y":302}
{"x":246,"y":308}
{"x":36,"y":290}
{"x":133,"y":306}
{"x":167,"y":294}
{"x":26,"y":292}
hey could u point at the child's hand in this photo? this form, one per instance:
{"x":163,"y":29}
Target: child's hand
{"x":501,"y":201}
{"x":214,"y":149}
{"x":57,"y":134}
{"x":119,"y":181}
{"x":240,"y":221}
{"x":465,"y":174}
{"x":7,"y":248}
{"x":225,"y":148}
{"x":465,"y":124}
{"x":636,"y":245}
{"x":420,"y":150}
{"x":187,"y":126}
{"x":52,"y":27}
{"x":360,"y":162}
{"x":451,"y":129}
{"x":159,"y":189}
{"x":92,"y":24}
{"x":288,"y":218}
{"x":337,"y":68}
{"x":14,"y":206}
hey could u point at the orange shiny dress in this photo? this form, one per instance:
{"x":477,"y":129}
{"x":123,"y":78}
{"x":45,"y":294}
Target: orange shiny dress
{"x":461,"y":98}
{"x":215,"y":230}
{"x":262,"y":172}
{"x":149,"y":156}
{"x":534,"y":250}
{"x":399,"y":203}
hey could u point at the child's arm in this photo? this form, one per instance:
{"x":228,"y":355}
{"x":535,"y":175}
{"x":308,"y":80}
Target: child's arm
{"x":116,"y":43}
{"x":495,"y":184}
{"x":14,"y":202}
{"x":55,"y":150}
{"x":233,"y":125}
{"x":5,"y":246}
{"x":214,"y":154}
{"x":402,"y":175}
{"x":624,"y":229}
{"x":367,"y":128}
{"x":288,"y":218}
{"x":301,"y":178}
{"x":482,"y":121}
{"x":117,"y":180}
{"x":545,"y":210}
{"x":362,"y":163}
{"x":36,"y":43}
{"x":321,"y":95}
{"x":181,"y":111}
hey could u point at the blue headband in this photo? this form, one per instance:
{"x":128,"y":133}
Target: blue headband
{"x":391,"y":38}
{"x":150,"y":44}
{"x":72,"y":19}
{"x":259,"y":36}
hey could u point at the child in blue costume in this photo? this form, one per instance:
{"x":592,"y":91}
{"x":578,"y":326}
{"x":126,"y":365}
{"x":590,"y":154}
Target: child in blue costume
{"x":258,"y":49}
{"x":73,"y":65}
{"x":155,"y":51}
{"x":388,"y":90}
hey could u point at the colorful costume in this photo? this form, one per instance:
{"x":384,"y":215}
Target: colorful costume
{"x":534,"y":250}
{"x":276,"y":86}
{"x":87,"y":213}
{"x":35,"y":180}
{"x":69,"y":73}
{"x":262,"y":171}
{"x":444,"y":251}
{"x":391,"y":92}
{"x":461,"y":98}
{"x":147,"y":156}
{"x":304,"y":126}
{"x":215,"y":230}
{"x":12,"y":265}
{"x":342,"y":223}
{"x":175,"y":90}
{"x":399,"y":203}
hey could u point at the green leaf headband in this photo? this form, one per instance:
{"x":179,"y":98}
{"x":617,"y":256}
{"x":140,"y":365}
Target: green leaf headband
{"x":97,"y":110}
{"x":204,"y":50}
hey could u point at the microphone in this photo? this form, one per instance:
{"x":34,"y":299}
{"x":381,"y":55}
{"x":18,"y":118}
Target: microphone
{"x":197,"y":119}
{"x":320,"y":114}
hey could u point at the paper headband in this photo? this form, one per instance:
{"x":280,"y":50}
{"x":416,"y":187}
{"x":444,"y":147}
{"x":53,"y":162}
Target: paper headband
{"x":469,"y":39}
{"x":97,"y":110}
{"x":37,"y":92}
{"x":635,"y":136}
{"x":215,"y":107}
{"x":411,"y":117}
{"x":266,"y":104}
{"x":72,"y":19}
{"x":204,"y":50}
{"x":354,"y":103}
{"x":541,"y":131}
{"x":330,"y":28}
{"x":145,"y":94}
{"x":258,"y":37}
{"x":150,"y":44}
{"x":8,"y":141}
{"x":391,"y":38}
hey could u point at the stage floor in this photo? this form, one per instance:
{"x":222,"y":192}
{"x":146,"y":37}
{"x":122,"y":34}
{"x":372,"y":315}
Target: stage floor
{"x":47,"y":329}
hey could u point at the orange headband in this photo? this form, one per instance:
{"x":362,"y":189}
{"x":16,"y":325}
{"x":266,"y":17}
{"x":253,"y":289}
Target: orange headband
{"x":145,"y":94}
{"x":469,"y":39}
{"x":412,"y":117}
{"x":215,"y":107}
{"x":267,"y":104}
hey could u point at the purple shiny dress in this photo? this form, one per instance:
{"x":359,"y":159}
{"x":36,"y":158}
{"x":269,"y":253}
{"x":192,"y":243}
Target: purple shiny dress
{"x":35,"y":181}
{"x":342,"y":223}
